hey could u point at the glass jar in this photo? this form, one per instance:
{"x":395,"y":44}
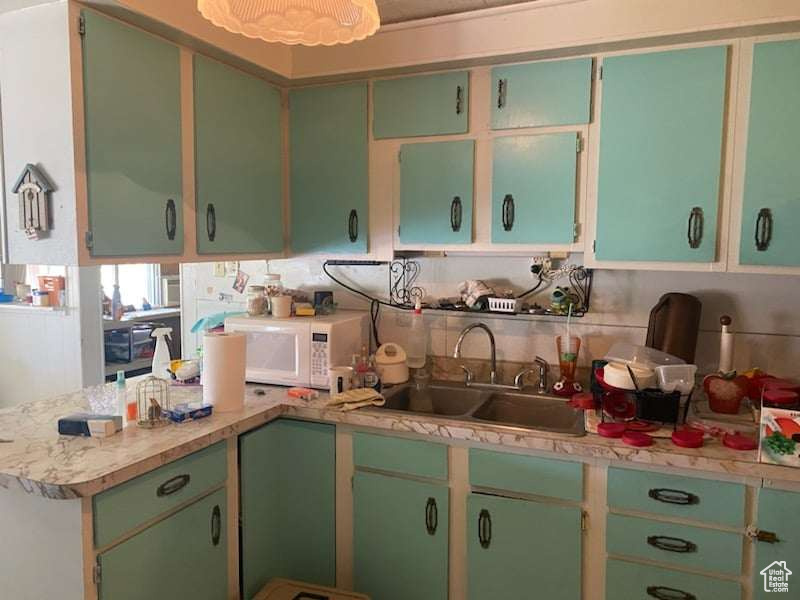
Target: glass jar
{"x":273,"y":287}
{"x":256,"y":300}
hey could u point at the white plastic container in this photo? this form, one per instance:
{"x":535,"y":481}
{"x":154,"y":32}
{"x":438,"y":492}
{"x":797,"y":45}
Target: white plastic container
{"x":640,"y":356}
{"x":161,"y":358}
{"x":676,"y":377}
{"x":417,"y":346}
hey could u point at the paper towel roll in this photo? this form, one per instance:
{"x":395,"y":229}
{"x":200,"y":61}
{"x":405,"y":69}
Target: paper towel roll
{"x":224,"y":370}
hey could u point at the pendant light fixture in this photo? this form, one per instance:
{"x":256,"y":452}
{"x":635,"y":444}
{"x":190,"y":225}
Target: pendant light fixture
{"x":307,"y":22}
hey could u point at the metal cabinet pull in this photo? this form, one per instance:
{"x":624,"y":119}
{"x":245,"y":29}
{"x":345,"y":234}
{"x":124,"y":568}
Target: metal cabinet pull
{"x":508,"y":212}
{"x":763,"y":229}
{"x":484,"y":528}
{"x":211,"y":222}
{"x":216,"y":525}
{"x":459,"y":100}
{"x":502,"y":90}
{"x":352,"y":226}
{"x":310,"y":596}
{"x":768,"y":537}
{"x":431,"y":516}
{"x":671,"y":544}
{"x":455,"y":214}
{"x":695,"y":228}
{"x":171,"y":219}
{"x":170,"y":486}
{"x":669,"y":496}
{"x":667,"y":593}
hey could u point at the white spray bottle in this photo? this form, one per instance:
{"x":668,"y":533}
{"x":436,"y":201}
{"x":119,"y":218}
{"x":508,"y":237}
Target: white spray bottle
{"x":161,"y":358}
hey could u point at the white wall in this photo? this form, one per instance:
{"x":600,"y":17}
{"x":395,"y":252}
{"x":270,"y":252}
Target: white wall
{"x":763,"y":307}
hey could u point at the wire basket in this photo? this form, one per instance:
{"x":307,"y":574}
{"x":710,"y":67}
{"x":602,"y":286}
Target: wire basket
{"x":507,"y":305}
{"x":152,"y":401}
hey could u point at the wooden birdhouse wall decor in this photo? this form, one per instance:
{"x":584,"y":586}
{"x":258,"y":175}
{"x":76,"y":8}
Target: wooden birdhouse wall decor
{"x":33,"y":189}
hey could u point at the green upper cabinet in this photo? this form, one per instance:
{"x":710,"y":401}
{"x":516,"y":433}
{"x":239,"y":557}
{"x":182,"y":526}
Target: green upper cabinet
{"x":522,"y":549}
{"x":777,"y":514}
{"x":771,"y":204}
{"x":237,"y":128}
{"x":436,"y":183}
{"x":423,"y":105}
{"x":288,"y":499}
{"x":329,"y":169}
{"x":660,"y":155}
{"x":533,"y":189}
{"x":542,"y":94}
{"x":400,"y":540}
{"x":132,"y":104}
{"x":183,"y":557}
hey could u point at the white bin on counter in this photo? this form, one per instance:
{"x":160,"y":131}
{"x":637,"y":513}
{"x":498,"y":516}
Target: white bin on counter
{"x":283,"y":589}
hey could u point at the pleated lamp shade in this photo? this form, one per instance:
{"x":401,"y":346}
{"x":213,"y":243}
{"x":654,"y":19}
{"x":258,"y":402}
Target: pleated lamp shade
{"x":307,"y":22}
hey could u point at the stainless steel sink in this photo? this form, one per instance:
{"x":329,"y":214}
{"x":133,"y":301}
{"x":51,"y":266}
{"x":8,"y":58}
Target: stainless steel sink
{"x":547,"y":413}
{"x":507,"y":409}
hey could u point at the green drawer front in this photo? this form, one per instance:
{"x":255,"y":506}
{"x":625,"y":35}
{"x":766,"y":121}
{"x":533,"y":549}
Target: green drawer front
{"x":400,"y":455}
{"x":629,"y":581}
{"x":691,"y":498}
{"x":526,"y":474}
{"x":125,"y":506}
{"x":678,"y":545}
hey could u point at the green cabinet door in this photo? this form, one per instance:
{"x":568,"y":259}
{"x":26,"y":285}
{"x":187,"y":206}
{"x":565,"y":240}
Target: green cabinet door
{"x":771,"y":204}
{"x":329,"y":169}
{"x":436,"y":183}
{"x":400,"y":542}
{"x":522,"y":549}
{"x":777,"y":514}
{"x":533,"y":189}
{"x":288,"y":497}
{"x":421,"y":105}
{"x":547,"y":93}
{"x":237,"y":128}
{"x":132,"y":99}
{"x":183,"y":557}
{"x":660,"y":155}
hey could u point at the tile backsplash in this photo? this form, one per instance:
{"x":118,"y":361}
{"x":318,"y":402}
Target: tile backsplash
{"x":766,"y":322}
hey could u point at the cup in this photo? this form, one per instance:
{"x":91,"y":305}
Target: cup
{"x":568,"y":348}
{"x":341,"y":379}
{"x":282,"y":307}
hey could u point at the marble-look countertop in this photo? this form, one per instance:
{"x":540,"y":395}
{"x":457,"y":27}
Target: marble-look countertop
{"x":34,"y":458}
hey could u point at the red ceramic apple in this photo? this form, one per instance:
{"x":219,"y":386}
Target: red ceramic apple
{"x":725,"y":391}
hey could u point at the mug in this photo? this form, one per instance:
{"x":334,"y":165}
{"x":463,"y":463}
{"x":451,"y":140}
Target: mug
{"x":341,"y":379}
{"x":281,"y":307}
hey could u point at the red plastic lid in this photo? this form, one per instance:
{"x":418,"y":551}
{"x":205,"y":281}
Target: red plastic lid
{"x":642,"y":426}
{"x":584,"y":401}
{"x":780,"y":396}
{"x":635,"y":438}
{"x":611,"y":430}
{"x":781,"y":384}
{"x":687,"y":438}
{"x":737,"y":441}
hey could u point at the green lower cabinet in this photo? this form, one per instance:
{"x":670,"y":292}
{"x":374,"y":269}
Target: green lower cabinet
{"x":183,"y":557}
{"x":436,"y":187}
{"x":288,"y":499}
{"x":660,"y":155}
{"x":523,"y":549}
{"x":400,"y":538}
{"x":633,"y":581}
{"x":533,"y":189}
{"x":238,"y":166}
{"x":771,"y":204}
{"x":778,"y":515}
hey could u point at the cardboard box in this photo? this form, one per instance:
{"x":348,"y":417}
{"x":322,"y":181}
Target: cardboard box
{"x":780,"y":437}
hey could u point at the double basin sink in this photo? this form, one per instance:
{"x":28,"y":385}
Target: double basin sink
{"x":516,"y":409}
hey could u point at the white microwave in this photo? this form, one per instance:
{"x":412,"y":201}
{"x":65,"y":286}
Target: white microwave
{"x":300,"y":350}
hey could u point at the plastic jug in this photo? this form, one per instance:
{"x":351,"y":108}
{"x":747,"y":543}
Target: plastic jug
{"x":161,"y":358}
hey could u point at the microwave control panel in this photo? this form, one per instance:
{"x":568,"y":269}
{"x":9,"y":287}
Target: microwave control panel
{"x":319,"y":357}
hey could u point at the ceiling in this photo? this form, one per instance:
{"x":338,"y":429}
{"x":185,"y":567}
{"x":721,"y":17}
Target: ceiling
{"x":398,"y":11}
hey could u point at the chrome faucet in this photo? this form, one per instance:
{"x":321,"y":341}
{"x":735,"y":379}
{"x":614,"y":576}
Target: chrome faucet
{"x":518,"y":378}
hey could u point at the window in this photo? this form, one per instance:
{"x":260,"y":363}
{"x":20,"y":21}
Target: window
{"x":136,"y":283}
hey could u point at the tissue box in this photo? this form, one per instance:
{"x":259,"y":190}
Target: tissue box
{"x":780,"y":437}
{"x":87,"y":424}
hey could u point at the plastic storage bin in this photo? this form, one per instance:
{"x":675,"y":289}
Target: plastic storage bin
{"x":679,"y":378}
{"x":641,"y":356}
{"x":283,"y":589}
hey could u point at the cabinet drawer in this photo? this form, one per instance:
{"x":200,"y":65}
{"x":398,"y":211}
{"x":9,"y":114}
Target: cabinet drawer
{"x":679,"y":545}
{"x":412,"y":457}
{"x":125,"y":506}
{"x":686,"y":497}
{"x":526,"y":474}
{"x":629,"y":581}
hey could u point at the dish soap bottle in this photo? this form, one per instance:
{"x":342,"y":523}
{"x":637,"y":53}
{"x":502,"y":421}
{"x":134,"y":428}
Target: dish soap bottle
{"x":161,"y":358}
{"x":121,"y":393}
{"x":417,"y":345}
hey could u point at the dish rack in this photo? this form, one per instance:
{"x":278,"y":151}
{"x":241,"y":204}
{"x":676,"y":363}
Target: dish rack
{"x":506,"y":305}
